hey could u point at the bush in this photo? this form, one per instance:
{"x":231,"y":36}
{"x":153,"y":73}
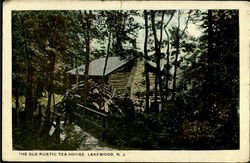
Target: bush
{"x":31,"y":140}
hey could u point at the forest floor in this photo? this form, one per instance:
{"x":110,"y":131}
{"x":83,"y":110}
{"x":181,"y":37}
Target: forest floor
{"x":91,"y":143}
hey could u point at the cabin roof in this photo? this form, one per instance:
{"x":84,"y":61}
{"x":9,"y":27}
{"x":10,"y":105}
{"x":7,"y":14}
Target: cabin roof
{"x":96,"y":67}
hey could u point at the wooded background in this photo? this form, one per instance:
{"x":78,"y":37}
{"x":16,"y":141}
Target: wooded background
{"x":198,"y":87}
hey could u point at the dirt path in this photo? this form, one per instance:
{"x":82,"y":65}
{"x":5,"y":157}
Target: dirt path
{"x":91,"y":143}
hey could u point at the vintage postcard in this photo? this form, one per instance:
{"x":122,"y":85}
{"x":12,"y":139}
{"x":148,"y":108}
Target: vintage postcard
{"x":126,"y":81}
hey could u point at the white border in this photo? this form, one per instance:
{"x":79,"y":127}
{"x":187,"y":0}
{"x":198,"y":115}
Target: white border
{"x":241,"y":155}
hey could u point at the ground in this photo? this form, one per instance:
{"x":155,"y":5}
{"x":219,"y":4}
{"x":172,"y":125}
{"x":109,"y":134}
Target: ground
{"x":89,"y":143}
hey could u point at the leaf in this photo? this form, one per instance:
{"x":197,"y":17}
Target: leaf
{"x":76,"y":95}
{"x":106,"y":107}
{"x":106,"y":100}
{"x":96,"y":105}
{"x":95,"y":91}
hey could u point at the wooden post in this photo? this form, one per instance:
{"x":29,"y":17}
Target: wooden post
{"x":83,"y":119}
{"x":104,"y":125}
{"x":39,"y":116}
{"x":65,"y":119}
{"x":57,"y":130}
{"x":102,"y":129}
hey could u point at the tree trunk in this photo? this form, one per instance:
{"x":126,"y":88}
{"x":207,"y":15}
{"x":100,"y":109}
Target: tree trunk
{"x":17,"y":104}
{"x":50,"y":92}
{"x":178,"y":37}
{"x":87,"y":44}
{"x":54,"y":104}
{"x":168,"y":60}
{"x":107,"y":56}
{"x":118,"y":46}
{"x":168,"y":68}
{"x":210,"y":35}
{"x":209,"y":74}
{"x":157,"y":59}
{"x":29,"y":82}
{"x":176,"y":55}
{"x":145,"y":63}
{"x":38,"y":91}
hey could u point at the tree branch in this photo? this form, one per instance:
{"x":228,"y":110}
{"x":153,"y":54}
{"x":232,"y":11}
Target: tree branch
{"x":189,"y":16}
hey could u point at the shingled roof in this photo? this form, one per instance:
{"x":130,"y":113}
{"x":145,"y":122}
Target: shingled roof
{"x":96,"y":67}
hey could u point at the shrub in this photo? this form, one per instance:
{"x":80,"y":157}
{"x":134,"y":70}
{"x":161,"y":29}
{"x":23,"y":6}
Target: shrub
{"x":30,"y":140}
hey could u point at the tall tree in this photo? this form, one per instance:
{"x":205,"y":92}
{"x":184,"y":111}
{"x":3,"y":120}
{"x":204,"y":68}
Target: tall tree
{"x":29,"y":107}
{"x":41,"y":40}
{"x":108,"y":51}
{"x":213,"y":77}
{"x":18,"y":60}
{"x":159,"y":45}
{"x":145,"y":63}
{"x":179,"y":35}
{"x":54,"y":41}
{"x":157,"y":60}
{"x":167,"y":74}
{"x":87,"y":45}
{"x":121,"y":31}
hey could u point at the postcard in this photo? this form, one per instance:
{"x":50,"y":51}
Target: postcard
{"x":126,"y":81}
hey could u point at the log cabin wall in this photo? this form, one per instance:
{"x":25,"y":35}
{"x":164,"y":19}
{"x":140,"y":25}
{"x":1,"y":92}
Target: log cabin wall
{"x":137,"y":83}
{"x":119,"y":79}
{"x":129,"y":79}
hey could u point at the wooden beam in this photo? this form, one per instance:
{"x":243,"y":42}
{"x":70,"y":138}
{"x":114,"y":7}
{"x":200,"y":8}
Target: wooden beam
{"x":92,"y":110}
{"x":95,"y":124}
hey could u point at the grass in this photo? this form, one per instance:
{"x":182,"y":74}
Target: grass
{"x":43,"y":101}
{"x":24,"y":139}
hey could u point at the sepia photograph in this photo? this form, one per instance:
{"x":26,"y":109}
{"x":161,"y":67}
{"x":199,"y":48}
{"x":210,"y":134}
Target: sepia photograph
{"x":125,"y":80}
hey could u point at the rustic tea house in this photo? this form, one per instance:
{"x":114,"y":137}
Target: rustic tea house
{"x":124,"y":75}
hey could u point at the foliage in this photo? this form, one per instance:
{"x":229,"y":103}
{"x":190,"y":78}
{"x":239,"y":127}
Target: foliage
{"x":29,"y":140}
{"x":202,"y":112}
{"x":100,"y":98}
{"x":152,"y":132}
{"x":208,"y":89}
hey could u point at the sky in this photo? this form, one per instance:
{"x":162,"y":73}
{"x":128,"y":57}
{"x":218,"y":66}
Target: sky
{"x":192,"y":29}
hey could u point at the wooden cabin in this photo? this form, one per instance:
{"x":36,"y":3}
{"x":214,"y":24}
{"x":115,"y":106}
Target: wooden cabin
{"x":124,"y":76}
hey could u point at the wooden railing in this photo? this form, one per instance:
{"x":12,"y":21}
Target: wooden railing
{"x":92,"y":121}
{"x":54,"y":117}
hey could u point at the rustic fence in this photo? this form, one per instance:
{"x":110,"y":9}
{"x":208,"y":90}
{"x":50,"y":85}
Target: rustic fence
{"x":92,"y":121}
{"x":55,"y":120}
